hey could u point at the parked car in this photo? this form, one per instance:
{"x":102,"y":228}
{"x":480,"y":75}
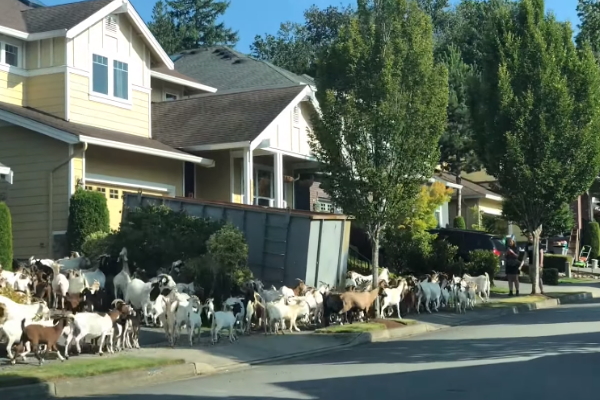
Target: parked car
{"x":467,"y":241}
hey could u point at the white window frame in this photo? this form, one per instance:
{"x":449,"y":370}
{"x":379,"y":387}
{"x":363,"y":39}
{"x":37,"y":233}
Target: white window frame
{"x":110,"y":99}
{"x":3,"y":55}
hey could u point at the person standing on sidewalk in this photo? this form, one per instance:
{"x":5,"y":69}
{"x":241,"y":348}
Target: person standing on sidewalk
{"x":529,"y":250}
{"x":513,"y":266}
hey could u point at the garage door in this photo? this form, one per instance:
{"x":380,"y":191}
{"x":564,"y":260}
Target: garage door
{"x":114,"y":199}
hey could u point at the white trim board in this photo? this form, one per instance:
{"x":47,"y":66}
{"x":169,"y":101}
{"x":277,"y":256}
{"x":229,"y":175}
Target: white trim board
{"x":218,"y":146}
{"x":182,"y":82}
{"x":54,"y":233}
{"x":132,"y":183}
{"x":493,"y":197}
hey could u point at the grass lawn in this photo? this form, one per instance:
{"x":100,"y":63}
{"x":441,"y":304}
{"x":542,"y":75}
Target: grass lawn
{"x":577,"y":280}
{"x":361,"y":327}
{"x":498,"y":290}
{"x":513,"y":301}
{"x":79,"y":369}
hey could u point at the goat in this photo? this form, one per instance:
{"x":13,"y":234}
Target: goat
{"x":22,"y":284}
{"x":359,"y":301}
{"x":428,"y":292}
{"x":194,"y":317}
{"x":461,"y":298}
{"x":471,"y":289}
{"x":393,"y":297}
{"x":483,"y":285}
{"x":43,"y":291}
{"x":225,"y":320}
{"x":76,"y":261}
{"x":18,"y":311}
{"x":39,"y":334}
{"x":77,"y":281}
{"x":175,"y":305}
{"x":94,"y":325}
{"x":94,"y":298}
{"x":186,"y":288}
{"x":142,"y":295}
{"x":123,"y":278}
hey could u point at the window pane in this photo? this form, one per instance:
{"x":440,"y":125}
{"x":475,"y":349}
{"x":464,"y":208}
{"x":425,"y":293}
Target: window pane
{"x":121,"y":78}
{"x":100,"y":75}
{"x":11,"y":54}
{"x":169,"y":96}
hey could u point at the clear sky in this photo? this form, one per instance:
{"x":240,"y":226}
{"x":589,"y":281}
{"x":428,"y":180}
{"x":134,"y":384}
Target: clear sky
{"x":256,"y":17}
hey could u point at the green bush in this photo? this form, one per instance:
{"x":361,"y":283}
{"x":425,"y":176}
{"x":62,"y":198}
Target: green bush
{"x":594,"y":238}
{"x":88,"y":213}
{"x":6,"y":240}
{"x":406,"y":250}
{"x":459,"y":223}
{"x":96,"y":244}
{"x":482,"y":261}
{"x":550,"y":276}
{"x":555,"y":261}
{"x":156,"y":236}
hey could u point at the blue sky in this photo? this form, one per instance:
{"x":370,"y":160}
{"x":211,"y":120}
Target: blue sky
{"x":256,"y":17}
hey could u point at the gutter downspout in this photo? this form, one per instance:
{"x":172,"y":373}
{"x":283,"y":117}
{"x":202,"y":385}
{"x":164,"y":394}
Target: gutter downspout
{"x":51,"y":198}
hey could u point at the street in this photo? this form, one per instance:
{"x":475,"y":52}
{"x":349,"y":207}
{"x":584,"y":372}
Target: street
{"x":551,"y":354}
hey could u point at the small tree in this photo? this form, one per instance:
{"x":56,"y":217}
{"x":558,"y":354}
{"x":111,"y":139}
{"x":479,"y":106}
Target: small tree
{"x":383,"y":109}
{"x":459,"y":222}
{"x":6,"y":239}
{"x":536,"y":113}
{"x":88,"y":213}
{"x":429,"y":199}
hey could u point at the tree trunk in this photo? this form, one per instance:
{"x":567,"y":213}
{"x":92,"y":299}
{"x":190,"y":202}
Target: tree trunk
{"x":535,"y":274}
{"x":458,"y":196}
{"x":590,"y":206}
{"x":375,"y":260}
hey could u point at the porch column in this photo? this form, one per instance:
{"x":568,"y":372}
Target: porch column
{"x":248,"y":173}
{"x":278,"y":176}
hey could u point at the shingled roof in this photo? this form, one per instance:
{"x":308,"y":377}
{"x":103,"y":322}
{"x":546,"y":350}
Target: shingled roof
{"x":470,"y":188}
{"x":18,"y":15}
{"x":220,"y":117}
{"x":227,"y":69}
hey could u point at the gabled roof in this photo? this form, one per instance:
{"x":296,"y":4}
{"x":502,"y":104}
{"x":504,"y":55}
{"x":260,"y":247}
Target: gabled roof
{"x":221,"y":117}
{"x":76,"y":133}
{"x":470,"y":188}
{"x":15,"y":14}
{"x":227,"y":69}
{"x":171,"y":75}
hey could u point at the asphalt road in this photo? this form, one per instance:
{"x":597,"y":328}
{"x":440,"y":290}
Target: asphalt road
{"x":547,"y":354}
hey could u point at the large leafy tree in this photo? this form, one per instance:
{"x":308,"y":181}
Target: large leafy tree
{"x":588,"y":12}
{"x":383,"y":105}
{"x":188,"y":24}
{"x":296,"y":46}
{"x":536,"y":114}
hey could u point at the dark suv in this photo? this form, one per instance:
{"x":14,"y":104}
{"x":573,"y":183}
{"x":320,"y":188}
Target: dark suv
{"x":467,"y":241}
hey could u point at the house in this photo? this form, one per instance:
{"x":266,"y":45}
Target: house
{"x":255,"y":127}
{"x":77,"y":82}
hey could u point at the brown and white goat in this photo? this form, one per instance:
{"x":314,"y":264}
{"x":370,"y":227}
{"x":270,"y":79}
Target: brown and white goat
{"x":359,"y":301}
{"x":39,"y":334}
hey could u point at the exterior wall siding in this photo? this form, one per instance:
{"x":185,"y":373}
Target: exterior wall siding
{"x":12,"y":88}
{"x":45,"y":53}
{"x":27,"y":197}
{"x":290,"y":132}
{"x":85,"y":111}
{"x":47,"y":93}
{"x":214,"y":183}
{"x":161,"y":88}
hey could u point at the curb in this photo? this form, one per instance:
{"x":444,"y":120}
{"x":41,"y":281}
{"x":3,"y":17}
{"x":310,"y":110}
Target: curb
{"x":96,"y":385}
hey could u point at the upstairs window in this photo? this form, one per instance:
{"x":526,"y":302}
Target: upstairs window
{"x":11,"y":55}
{"x":100,"y":75}
{"x":170,"y":96}
{"x":121,"y":80}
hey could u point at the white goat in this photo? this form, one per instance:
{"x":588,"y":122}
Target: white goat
{"x":123,"y":278}
{"x":224,"y":320}
{"x":186,"y":288}
{"x":194,"y":317}
{"x":60,"y":289}
{"x":393,"y":297}
{"x":22,"y":284}
{"x":36,"y":311}
{"x":428,"y":292}
{"x":483,"y":285}
{"x":278,"y":312}
{"x":471,"y":289}
{"x":142,"y":295}
{"x":176,"y":314}
{"x":461,"y":298}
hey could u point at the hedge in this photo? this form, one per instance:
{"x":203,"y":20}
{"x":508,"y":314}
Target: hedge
{"x":482,"y":261}
{"x":550,"y":276}
{"x":594,"y":239}
{"x":6,"y":240}
{"x":88,"y":213}
{"x":459,"y":222}
{"x":555,"y":261}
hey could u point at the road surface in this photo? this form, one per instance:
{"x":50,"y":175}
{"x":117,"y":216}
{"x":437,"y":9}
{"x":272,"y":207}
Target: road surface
{"x":548,"y":354}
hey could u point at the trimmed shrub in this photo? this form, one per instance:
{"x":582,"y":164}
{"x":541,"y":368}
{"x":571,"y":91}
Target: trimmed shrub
{"x":88,"y":213}
{"x":156,"y":236}
{"x":459,"y":223}
{"x":406,"y":250}
{"x":96,"y":244}
{"x":555,"y":261}
{"x":6,"y":240}
{"x":594,"y":238}
{"x":482,"y":261}
{"x":550,"y":276}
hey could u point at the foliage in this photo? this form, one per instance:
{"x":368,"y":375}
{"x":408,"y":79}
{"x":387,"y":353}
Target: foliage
{"x":429,"y":199}
{"x":556,"y":261}
{"x":535,"y":109}
{"x":588,"y":12}
{"x":88,"y":213}
{"x":156,"y":236}
{"x":459,"y":222}
{"x":494,"y":224}
{"x":96,"y":244}
{"x":296,"y":46}
{"x":224,"y":268}
{"x":477,"y":216}
{"x":482,"y":261}
{"x":190,"y":24}
{"x":6,"y":238}
{"x":381,"y":95}
{"x":593,"y":231}
{"x":13,"y":295}
{"x":406,"y":249}
{"x":550,"y":276}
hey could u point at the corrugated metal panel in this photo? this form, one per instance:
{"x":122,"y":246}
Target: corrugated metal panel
{"x":283,"y":245}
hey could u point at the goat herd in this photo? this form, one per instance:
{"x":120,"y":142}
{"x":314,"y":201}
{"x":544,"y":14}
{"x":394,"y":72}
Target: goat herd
{"x":87,"y":307}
